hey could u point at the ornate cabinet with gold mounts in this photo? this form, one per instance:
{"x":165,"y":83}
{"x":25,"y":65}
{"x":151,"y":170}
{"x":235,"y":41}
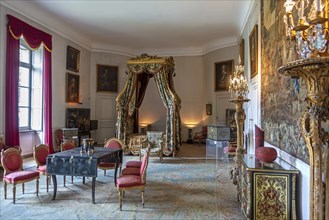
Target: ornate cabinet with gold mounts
{"x":267,"y":191}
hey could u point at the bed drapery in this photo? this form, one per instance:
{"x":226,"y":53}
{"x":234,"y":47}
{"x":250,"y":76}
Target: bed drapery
{"x":130,"y":99}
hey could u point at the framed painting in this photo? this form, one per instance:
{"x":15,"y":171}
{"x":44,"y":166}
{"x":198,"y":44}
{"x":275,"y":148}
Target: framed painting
{"x":107,"y":78}
{"x":78,"y":118}
{"x":208,"y":109}
{"x":242,"y":51}
{"x":223,"y":71}
{"x":253,"y":42}
{"x":72,"y":87}
{"x":230,"y":118}
{"x":72,"y":59}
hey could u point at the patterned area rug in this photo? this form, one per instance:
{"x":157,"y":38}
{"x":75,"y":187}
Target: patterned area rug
{"x":177,"y":188}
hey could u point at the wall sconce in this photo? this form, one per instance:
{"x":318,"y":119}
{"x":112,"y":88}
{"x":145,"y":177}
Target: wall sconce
{"x":145,"y":127}
{"x":208,"y":109}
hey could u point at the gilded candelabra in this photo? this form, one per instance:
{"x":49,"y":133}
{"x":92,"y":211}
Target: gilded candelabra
{"x":309,"y":38}
{"x":310,"y":35}
{"x":238,"y":88}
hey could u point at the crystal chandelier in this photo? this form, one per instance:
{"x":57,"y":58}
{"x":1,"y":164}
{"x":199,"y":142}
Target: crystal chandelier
{"x":238,"y":85}
{"x":310,"y":35}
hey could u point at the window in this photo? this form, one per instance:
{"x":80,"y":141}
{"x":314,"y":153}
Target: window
{"x":30,"y":87}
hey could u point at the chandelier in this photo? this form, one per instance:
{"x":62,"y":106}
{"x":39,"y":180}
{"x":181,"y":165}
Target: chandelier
{"x":238,"y":85}
{"x":310,"y":35}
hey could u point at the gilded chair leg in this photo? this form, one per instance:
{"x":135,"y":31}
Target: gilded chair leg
{"x":120,"y":199}
{"x":23,"y":188}
{"x":142,"y":197}
{"x":104,"y":172}
{"x":5,"y":188}
{"x":14,"y":192}
{"x":37,"y":185}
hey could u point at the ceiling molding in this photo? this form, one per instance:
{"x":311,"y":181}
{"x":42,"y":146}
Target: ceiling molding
{"x":75,"y":39}
{"x":250,"y":9}
{"x":82,"y":41}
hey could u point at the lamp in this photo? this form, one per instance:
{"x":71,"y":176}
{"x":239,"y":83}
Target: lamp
{"x":143,"y":128}
{"x":238,"y":87}
{"x":310,"y":35}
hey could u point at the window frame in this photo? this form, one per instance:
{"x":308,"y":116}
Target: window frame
{"x":32,"y":70}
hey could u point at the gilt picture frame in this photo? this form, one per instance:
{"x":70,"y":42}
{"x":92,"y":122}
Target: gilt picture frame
{"x":72,"y":88}
{"x":208,"y":109}
{"x":253,"y":49}
{"x":223,"y":71}
{"x":107,"y":78}
{"x":72,"y":59}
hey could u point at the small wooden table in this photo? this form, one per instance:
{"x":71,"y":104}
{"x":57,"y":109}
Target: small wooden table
{"x":74,"y":163}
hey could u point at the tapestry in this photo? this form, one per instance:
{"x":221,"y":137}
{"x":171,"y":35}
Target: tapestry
{"x":282,"y":97}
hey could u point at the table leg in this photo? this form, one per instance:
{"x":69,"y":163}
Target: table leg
{"x":116,"y":168}
{"x":55,"y":186}
{"x":93,"y":189}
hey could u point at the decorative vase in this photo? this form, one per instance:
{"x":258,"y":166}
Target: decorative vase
{"x":266,"y":154}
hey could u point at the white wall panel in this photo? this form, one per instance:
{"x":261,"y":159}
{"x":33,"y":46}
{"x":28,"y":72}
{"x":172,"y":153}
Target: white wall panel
{"x":106,"y":107}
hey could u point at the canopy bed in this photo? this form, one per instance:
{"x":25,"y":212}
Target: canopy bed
{"x":140,"y":70}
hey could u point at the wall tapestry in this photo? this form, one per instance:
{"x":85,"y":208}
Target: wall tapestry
{"x":282,"y":97}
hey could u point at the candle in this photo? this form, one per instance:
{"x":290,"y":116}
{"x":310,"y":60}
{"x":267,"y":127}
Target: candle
{"x":301,"y":9}
{"x":318,"y":5}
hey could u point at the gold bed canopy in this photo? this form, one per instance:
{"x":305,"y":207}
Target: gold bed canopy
{"x":140,"y":70}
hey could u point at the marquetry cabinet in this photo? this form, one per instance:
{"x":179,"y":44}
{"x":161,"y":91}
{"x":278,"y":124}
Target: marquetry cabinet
{"x":267,"y":191}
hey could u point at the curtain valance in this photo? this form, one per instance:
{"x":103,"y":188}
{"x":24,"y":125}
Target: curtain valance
{"x":34,"y":37}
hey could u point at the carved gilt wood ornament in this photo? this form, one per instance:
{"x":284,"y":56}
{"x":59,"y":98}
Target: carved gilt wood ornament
{"x":315,"y":72}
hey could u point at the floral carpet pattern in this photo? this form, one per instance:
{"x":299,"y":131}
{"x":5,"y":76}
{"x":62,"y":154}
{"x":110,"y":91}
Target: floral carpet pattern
{"x":177,"y":188}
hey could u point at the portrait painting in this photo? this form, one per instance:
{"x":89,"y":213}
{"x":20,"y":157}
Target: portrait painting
{"x":253,"y":42}
{"x":72,"y":87}
{"x":230,"y":118}
{"x":107,"y":78}
{"x":72,"y":59}
{"x":223,"y":71}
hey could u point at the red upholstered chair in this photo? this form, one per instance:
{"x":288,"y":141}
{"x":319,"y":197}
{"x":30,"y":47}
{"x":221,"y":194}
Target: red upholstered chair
{"x":133,"y":180}
{"x":12,"y":163}
{"x":110,"y":165}
{"x":133,"y":166}
{"x":201,"y":136}
{"x":58,"y":139}
{"x":133,"y":163}
{"x":67,"y":145}
{"x":40,"y":153}
{"x":230,"y":149}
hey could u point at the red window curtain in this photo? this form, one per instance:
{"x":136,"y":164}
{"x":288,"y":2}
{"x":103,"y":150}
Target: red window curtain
{"x":34,"y":38}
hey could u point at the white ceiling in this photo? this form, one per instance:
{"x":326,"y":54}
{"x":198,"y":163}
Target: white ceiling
{"x":132,"y":27}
